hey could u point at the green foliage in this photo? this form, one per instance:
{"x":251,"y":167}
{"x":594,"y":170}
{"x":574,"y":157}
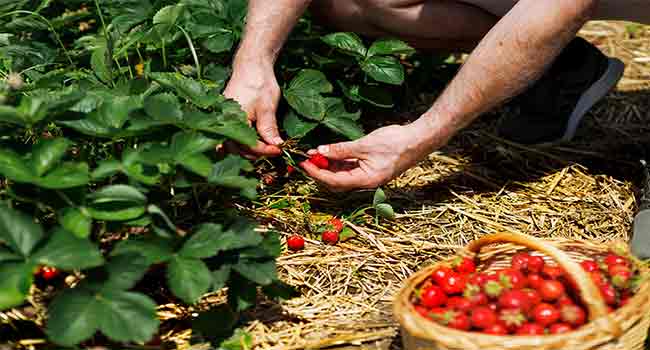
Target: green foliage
{"x":107,"y":153}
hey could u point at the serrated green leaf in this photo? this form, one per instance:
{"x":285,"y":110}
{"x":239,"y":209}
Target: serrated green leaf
{"x":127,"y":316}
{"x":226,"y":173}
{"x":165,"y":19}
{"x":66,"y":175}
{"x":114,"y":112}
{"x":186,"y":143}
{"x":263,"y":273}
{"x":348,"y":43}
{"x":47,"y":153}
{"x":270,"y":247}
{"x":100,"y":61}
{"x":118,"y":193}
{"x":379,"y":197}
{"x":14,"y":167}
{"x":219,"y":42}
{"x":203,"y":243}
{"x":385,"y":69}
{"x":163,"y":107}
{"x":296,"y":127}
{"x":188,"y":278}
{"x":32,"y":109}
{"x":15,"y":280}
{"x":390,"y":47}
{"x":199,"y":164}
{"x":68,"y":252}
{"x":344,"y":126}
{"x":106,"y":168}
{"x":304,"y":93}
{"x":125,"y":270}
{"x":72,"y":317}
{"x":241,"y":340}
{"x":187,"y":88}
{"x":19,"y":231}
{"x":156,"y":250}
{"x":220,"y":277}
{"x":76,"y":221}
{"x":385,"y":210}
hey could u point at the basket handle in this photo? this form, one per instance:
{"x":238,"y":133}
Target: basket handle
{"x":588,"y":290}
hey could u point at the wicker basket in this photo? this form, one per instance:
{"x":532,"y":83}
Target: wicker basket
{"x":624,"y":329}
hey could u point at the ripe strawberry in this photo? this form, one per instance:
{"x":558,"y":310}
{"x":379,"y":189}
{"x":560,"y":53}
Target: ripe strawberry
{"x":290,"y":169}
{"x":535,"y":280}
{"x":440,"y":274}
{"x":330,"y":237}
{"x":511,"y":278}
{"x":483,"y":317}
{"x":564,"y":300}
{"x":460,"y":321}
{"x":609,"y":294}
{"x":551,"y":290}
{"x":546,"y":314}
{"x":268,"y":179}
{"x":296,"y":242}
{"x":496,"y":329}
{"x":320,"y":161}
{"x":535,"y":264}
{"x":459,"y":303}
{"x":533,"y":297}
{"x":598,"y":278}
{"x":478,"y":279}
{"x":530,"y":329}
{"x":493,"y":306}
{"x":573,"y":315}
{"x":493,"y":289}
{"x":514,"y":299}
{"x":620,"y":275}
{"x":465,"y":266}
{"x":336,"y":223}
{"x":49,"y":273}
{"x":454,"y":283}
{"x":477,"y":299}
{"x":519,"y":261}
{"x":433,"y":296}
{"x":589,"y":265}
{"x":614,"y":259}
{"x":512,"y":318}
{"x":421,"y":310}
{"x":560,"y":328}
{"x":552,"y":272}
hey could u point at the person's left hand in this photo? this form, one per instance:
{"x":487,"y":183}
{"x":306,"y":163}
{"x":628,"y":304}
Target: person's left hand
{"x":370,"y":161}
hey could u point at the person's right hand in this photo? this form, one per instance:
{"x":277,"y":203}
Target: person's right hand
{"x":254,"y":86}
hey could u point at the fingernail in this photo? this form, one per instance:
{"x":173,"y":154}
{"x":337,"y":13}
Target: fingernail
{"x":323,"y":149}
{"x":277,"y":140}
{"x":311,"y":152}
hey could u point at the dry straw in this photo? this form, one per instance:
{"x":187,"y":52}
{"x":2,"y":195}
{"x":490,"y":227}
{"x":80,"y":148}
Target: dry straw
{"x":624,"y":329}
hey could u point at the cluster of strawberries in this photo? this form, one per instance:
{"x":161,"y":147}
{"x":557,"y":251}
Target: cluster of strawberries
{"x":330,"y":235}
{"x":528,"y":298}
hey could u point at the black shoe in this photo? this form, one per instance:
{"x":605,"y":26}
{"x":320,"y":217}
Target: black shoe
{"x":552,"y":108}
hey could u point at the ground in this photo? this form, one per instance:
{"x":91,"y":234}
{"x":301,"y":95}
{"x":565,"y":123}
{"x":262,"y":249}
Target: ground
{"x":478,"y":184}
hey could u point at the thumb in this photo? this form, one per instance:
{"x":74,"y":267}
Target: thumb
{"x":267,"y":127}
{"x":341,"y":151}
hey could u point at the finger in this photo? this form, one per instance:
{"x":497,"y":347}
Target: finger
{"x":267,"y":128}
{"x":262,"y":149}
{"x":336,"y":181}
{"x":341,"y":151}
{"x":235,"y":148}
{"x":343,"y":165}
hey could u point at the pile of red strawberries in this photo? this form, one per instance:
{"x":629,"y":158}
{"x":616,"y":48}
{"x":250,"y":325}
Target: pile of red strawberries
{"x":528,"y":298}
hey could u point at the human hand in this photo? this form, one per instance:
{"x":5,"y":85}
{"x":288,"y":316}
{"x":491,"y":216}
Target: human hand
{"x":372,"y":160}
{"x":254,"y":86}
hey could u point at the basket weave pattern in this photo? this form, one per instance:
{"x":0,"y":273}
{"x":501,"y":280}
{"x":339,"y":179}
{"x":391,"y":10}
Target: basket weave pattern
{"x":624,"y":329}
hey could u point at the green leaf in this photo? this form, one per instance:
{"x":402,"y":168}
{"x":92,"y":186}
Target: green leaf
{"x":188,"y":278}
{"x":105,"y":169}
{"x":117,"y":203}
{"x":14,"y":167}
{"x":344,"y":126}
{"x":156,"y":250}
{"x":347,"y":234}
{"x":118,"y":193}
{"x":127,"y":316}
{"x":198,"y":164}
{"x":390,"y":47}
{"x":242,"y":293}
{"x":241,"y":340}
{"x":220,"y":277}
{"x":101,"y":62}
{"x":270,"y":247}
{"x":47,"y":153}
{"x":165,"y":19}
{"x":239,"y":235}
{"x":296,"y":127}
{"x":11,"y":115}
{"x":187,"y":88}
{"x":15,"y":280}
{"x":379,"y":197}
{"x":263,"y":273}
{"x":203,"y":243}
{"x":125,"y":270}
{"x":187,"y":143}
{"x":32,"y":109}
{"x":66,"y":175}
{"x":304,"y":93}
{"x":19,"y":231}
{"x":219,"y":42}
{"x":384,"y":69}
{"x":68,"y":252}
{"x":114,"y":112}
{"x":7,"y":255}
{"x":385,"y":210}
{"x":76,"y":220}
{"x":163,"y":107}
{"x":348,"y":43}
{"x":226,"y":173}
{"x":376,"y":96}
{"x":73,"y":317}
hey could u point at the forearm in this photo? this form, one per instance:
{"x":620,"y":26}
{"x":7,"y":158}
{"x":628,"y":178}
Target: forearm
{"x":268,"y":25}
{"x":511,"y":56}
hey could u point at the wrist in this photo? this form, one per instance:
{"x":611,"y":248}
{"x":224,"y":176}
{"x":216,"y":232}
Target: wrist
{"x":251,"y":54}
{"x":430,"y":132}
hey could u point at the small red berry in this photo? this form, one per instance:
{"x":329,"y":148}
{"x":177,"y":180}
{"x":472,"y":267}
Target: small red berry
{"x":512,"y":278}
{"x":530,"y":329}
{"x":465,"y":266}
{"x":533,"y":296}
{"x":589,"y":265}
{"x":514,"y":299}
{"x":330,"y":237}
{"x":519,"y":261}
{"x":440,"y":274}
{"x":336,"y":224}
{"x":483,"y":317}
{"x":552,"y":272}
{"x":478,"y":279}
{"x":290,"y":169}
{"x":421,"y":310}
{"x":560,"y":328}
{"x":459,"y":303}
{"x":496,"y":329}
{"x":296,"y":242}
{"x":454,"y":283}
{"x":546,"y":314}
{"x":609,"y":294}
{"x":535,"y":280}
{"x":573,"y":315}
{"x":614,"y":259}
{"x":551,"y":290}
{"x":49,"y":272}
{"x":433,"y":296}
{"x":320,"y":161}
{"x":535,"y":264}
{"x":460,"y":321}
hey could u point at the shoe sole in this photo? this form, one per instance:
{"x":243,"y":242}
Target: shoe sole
{"x":595,"y":93}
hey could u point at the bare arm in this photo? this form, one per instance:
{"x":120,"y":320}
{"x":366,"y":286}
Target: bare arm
{"x":253,"y":83}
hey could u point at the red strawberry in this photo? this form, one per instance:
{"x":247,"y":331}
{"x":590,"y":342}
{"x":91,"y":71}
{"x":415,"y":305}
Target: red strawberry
{"x":330,"y":237}
{"x":564,"y":300}
{"x":530,"y":329}
{"x":573,"y":315}
{"x":296,"y":242}
{"x":535,"y":264}
{"x":460,"y":321}
{"x":493,"y":289}
{"x":320,"y":161}
{"x":459,"y":303}
{"x":519,"y":261}
{"x":440,"y":274}
{"x":454,"y":283}
{"x":511,"y":278}
{"x":465,"y":266}
{"x":433,"y":296}
{"x":545,"y":314}
{"x":483,"y":317}
{"x":614,"y":259}
{"x":551,"y":290}
{"x":514,"y":299}
{"x":336,"y":223}
{"x":421,"y":310}
{"x":533,"y":296}
{"x":620,"y":275}
{"x":560,"y":328}
{"x":609,"y":294}
{"x":496,"y":329}
{"x":512,"y":319}
{"x":290,"y":169}
{"x":478,"y":279}
{"x":535,"y":280}
{"x":48,"y":273}
{"x":552,"y":272}
{"x":589,"y":265}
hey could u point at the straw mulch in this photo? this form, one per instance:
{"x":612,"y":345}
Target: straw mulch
{"x":478,"y":184}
